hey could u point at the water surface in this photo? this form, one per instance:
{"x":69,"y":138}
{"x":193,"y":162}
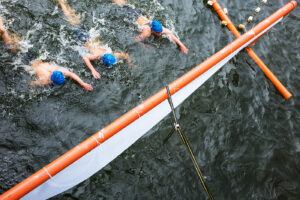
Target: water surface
{"x":245,"y":136}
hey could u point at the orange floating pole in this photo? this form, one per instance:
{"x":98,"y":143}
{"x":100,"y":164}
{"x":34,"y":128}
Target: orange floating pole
{"x":286,"y":94}
{"x":56,"y":166}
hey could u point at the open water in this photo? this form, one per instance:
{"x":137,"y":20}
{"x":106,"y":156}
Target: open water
{"x":245,"y":136}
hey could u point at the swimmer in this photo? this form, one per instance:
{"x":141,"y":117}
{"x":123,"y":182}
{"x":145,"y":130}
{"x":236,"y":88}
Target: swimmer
{"x":97,"y":50}
{"x":70,"y":14}
{"x":150,"y":27}
{"x":11,"y":40}
{"x":47,"y":73}
{"x":108,"y":57}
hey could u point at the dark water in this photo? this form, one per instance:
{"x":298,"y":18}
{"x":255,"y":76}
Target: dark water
{"x":245,"y":136}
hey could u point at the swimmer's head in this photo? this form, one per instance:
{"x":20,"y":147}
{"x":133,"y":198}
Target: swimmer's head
{"x":108,"y":59}
{"x":156,"y":27}
{"x":58,"y":78}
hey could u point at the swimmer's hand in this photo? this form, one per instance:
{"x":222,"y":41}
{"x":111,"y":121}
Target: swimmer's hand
{"x":87,"y":60}
{"x":96,"y":74}
{"x":184,"y":50}
{"x":87,"y":87}
{"x":177,"y":41}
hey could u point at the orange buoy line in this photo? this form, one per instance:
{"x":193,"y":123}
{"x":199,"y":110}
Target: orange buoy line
{"x":286,"y":94}
{"x":49,"y":171}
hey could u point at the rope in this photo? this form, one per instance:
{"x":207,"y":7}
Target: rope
{"x":250,"y":18}
{"x":170,"y":134}
{"x":183,"y":138}
{"x":186,"y":143}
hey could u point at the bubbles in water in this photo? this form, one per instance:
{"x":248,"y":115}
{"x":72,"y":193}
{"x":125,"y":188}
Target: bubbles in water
{"x":95,"y":33}
{"x":157,"y":7}
{"x":98,"y":21}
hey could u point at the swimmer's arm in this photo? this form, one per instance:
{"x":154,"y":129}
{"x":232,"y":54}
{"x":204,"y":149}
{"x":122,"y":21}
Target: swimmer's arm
{"x":69,"y":12}
{"x":5,"y":36}
{"x":76,"y":78}
{"x":87,"y":60}
{"x":176,"y":40}
{"x":146,"y":32}
{"x":126,"y":57}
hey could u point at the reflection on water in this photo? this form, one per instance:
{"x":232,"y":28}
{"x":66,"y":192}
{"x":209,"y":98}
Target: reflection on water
{"x":245,"y":136}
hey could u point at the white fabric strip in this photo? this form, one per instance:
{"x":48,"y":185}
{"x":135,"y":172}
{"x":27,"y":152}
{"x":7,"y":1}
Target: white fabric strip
{"x":99,"y":157}
{"x":44,"y":168}
{"x":96,"y":140}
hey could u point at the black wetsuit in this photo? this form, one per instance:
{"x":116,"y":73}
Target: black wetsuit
{"x":80,"y":33}
{"x":129,"y":12}
{"x":29,"y":56}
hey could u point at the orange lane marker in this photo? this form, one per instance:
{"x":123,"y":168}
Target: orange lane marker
{"x":226,"y":21}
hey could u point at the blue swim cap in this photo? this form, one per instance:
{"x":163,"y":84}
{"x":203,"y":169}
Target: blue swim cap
{"x":108,"y":59}
{"x":156,"y":26}
{"x":57,"y":78}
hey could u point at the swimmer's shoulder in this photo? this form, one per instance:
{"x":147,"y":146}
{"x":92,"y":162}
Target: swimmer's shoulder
{"x":167,"y":31}
{"x":143,"y":21}
{"x":119,"y":2}
{"x":39,"y":65}
{"x":35,"y":64}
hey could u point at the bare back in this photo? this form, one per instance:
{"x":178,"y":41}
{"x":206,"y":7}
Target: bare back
{"x":119,"y":2}
{"x":142,"y":21}
{"x":43,"y":70}
{"x":95,"y":48}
